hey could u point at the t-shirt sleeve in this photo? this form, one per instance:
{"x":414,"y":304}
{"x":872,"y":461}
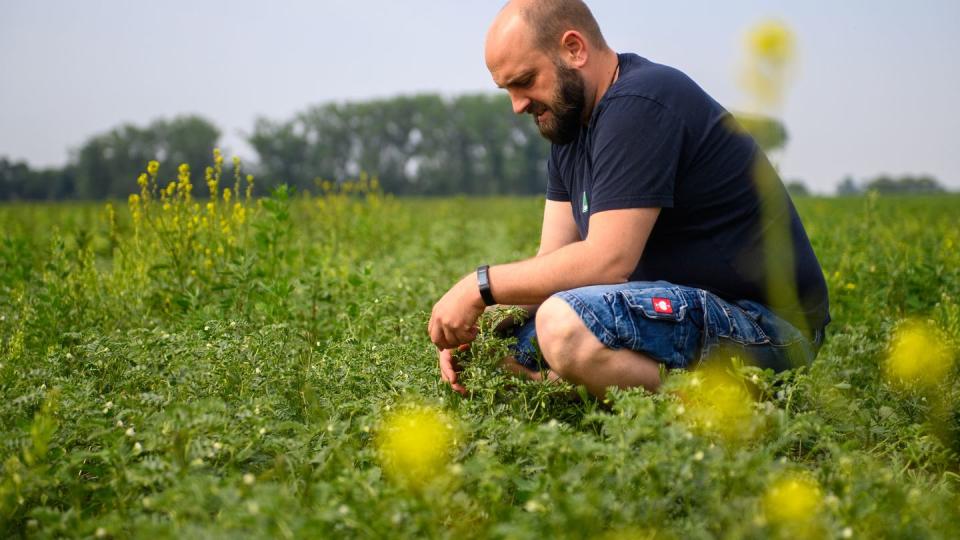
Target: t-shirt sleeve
{"x":635,"y":155}
{"x":556,"y":190}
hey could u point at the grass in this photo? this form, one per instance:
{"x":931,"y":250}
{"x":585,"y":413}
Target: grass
{"x":169,"y":377}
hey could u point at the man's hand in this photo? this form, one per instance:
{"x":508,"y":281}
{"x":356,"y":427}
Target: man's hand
{"x":453,"y":321}
{"x":449,"y":369}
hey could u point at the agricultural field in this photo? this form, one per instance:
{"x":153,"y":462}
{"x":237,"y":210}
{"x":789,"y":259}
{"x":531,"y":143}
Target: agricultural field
{"x":178,"y":366}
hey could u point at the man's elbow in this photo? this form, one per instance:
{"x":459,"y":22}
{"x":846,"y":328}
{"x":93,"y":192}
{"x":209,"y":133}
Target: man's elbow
{"x":616,"y":268}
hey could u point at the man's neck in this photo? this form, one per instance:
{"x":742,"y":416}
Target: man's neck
{"x":607,"y":73}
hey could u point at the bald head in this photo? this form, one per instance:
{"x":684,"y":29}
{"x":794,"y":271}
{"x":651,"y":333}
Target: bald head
{"x":544,"y":23}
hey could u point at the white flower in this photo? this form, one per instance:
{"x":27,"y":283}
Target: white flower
{"x":263,"y":431}
{"x":137,"y":448}
{"x":119,"y":423}
{"x":249,"y":479}
{"x":533,"y":506}
{"x":698,"y":456}
{"x":130,"y":432}
{"x":101,"y":532}
{"x":217,"y":445}
{"x":847,"y":532}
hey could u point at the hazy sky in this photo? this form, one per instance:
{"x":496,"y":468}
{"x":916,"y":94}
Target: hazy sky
{"x":874,"y":91}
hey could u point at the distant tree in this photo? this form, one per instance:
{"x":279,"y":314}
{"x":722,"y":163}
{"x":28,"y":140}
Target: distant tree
{"x":797,"y":188}
{"x":13,"y":175}
{"x":107,"y":165}
{"x":423,"y":144}
{"x":19,"y":182}
{"x":769,"y":133}
{"x":848,"y":187}
{"x":904,"y":185}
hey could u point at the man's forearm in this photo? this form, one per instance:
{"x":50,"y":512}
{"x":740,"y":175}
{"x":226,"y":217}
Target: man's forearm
{"x":575,"y":265}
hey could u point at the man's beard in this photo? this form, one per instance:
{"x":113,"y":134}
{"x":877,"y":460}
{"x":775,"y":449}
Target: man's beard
{"x":566,"y":110}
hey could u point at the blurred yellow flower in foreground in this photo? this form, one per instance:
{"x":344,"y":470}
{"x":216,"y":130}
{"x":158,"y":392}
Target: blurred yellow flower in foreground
{"x":717,"y":402}
{"x":415,"y":443}
{"x":792,"y":499}
{"x":772,"y":41}
{"x":918,"y":356}
{"x":770,"y":51}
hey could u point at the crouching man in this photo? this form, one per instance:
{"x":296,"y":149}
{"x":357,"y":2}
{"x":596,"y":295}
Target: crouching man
{"x":666,"y":233}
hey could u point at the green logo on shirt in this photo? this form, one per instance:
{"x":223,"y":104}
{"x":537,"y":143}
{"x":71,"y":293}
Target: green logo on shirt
{"x":585,"y":206}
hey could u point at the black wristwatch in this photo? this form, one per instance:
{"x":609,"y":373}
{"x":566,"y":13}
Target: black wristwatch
{"x":483,"y":281}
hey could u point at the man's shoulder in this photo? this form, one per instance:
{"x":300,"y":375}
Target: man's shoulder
{"x":644,"y":81}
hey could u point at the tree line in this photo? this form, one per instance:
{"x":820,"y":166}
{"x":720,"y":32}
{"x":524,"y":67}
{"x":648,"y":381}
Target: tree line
{"x":890,"y":185}
{"x":424,"y":144}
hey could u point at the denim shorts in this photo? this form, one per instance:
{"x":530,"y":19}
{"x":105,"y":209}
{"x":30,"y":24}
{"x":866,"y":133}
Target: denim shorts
{"x":679,"y":327}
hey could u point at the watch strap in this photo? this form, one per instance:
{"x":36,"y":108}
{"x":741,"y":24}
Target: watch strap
{"x":483,"y":281}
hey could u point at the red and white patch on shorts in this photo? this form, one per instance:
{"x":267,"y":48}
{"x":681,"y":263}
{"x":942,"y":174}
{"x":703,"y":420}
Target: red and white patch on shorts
{"x":662,"y":305}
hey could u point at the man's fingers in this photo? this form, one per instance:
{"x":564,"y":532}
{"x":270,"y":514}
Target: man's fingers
{"x":450,"y":339}
{"x":448,"y":371}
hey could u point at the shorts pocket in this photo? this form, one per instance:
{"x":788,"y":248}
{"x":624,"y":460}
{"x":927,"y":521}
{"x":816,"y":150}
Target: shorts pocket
{"x":652,"y":321}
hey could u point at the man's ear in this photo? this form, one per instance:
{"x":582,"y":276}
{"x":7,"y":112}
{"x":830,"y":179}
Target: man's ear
{"x":574,"y":47}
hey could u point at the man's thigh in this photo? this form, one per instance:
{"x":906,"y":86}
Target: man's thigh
{"x":677,"y":326}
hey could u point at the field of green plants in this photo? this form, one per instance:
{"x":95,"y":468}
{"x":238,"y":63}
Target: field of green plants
{"x":183,"y":366}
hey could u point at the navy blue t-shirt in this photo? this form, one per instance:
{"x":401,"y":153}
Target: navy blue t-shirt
{"x":656,"y":139}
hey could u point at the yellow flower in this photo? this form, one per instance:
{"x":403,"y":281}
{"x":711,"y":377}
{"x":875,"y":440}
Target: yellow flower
{"x":226,"y":195}
{"x":770,"y":52}
{"x":772,"y":41}
{"x":239,"y":213}
{"x":142,"y":180}
{"x":414,"y":445}
{"x":791,"y":500}
{"x":918,"y":357}
{"x":153,"y":167}
{"x":716,"y":402}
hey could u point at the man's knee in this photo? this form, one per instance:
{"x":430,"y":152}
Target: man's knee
{"x":564,"y":339}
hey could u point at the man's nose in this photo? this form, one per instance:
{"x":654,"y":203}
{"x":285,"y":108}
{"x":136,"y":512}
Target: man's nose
{"x":520,"y":103}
